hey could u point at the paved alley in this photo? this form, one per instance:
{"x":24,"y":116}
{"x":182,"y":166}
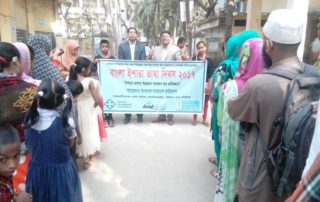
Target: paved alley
{"x":152,"y":163}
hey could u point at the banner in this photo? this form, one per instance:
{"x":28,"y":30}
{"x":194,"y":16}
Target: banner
{"x":152,"y":87}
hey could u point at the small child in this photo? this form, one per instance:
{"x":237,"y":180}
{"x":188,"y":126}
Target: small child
{"x":104,"y":53}
{"x":87,"y":101}
{"x":52,"y":174}
{"x":9,"y":161}
{"x":76,"y":89}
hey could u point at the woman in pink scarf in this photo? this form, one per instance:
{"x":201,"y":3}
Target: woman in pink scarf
{"x":71,"y":53}
{"x":250,"y":64}
{"x":26,"y":63}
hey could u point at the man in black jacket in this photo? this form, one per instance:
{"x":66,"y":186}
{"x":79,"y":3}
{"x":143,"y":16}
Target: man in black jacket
{"x":132,"y":49}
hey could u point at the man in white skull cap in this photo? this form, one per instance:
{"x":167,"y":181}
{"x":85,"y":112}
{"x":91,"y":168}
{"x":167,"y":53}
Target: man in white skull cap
{"x":263,"y":100}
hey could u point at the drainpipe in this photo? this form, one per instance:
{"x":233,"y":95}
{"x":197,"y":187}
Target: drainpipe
{"x":27,"y":17}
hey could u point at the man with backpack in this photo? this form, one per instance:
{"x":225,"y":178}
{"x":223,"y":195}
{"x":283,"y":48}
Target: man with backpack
{"x":261,"y":105}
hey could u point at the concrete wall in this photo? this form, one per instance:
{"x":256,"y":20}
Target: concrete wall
{"x":20,"y":13}
{"x":43,"y":14}
{"x":314,"y":5}
{"x":30,"y":15}
{"x":7,"y":21}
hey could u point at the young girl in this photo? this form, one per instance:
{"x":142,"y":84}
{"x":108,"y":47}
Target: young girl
{"x":76,"y":89}
{"x":87,"y":102}
{"x":9,"y":159}
{"x":52,"y":174}
{"x":202,"y":47}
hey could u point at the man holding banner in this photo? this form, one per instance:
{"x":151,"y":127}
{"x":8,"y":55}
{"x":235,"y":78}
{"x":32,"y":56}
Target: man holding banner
{"x":132,"y":50}
{"x":166,"y":52}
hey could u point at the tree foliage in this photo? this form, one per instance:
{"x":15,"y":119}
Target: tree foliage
{"x":207,"y":5}
{"x":154,"y":16}
{"x":87,"y":23}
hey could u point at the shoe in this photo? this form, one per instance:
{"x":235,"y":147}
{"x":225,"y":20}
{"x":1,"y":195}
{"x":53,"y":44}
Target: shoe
{"x":158,"y":119}
{"x":126,"y":121}
{"x":214,"y":172}
{"x":212,"y":160}
{"x":194,"y":122}
{"x":170,"y":122}
{"x":106,"y":124}
{"x":140,"y":120}
{"x":111,"y":123}
{"x":205,"y":123}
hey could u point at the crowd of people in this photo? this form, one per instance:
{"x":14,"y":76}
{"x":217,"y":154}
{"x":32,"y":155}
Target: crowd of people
{"x":51,"y":111}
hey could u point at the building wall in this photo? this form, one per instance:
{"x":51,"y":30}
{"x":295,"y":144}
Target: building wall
{"x":7,"y":21}
{"x":20,"y":17}
{"x":41,"y":14}
{"x":268,"y":6}
{"x":314,"y":5}
{"x":20,"y":14}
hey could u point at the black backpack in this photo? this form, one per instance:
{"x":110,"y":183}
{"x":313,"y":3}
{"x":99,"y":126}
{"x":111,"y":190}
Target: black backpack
{"x":285,"y":162}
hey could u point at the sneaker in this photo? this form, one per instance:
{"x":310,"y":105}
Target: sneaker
{"x":126,"y":121}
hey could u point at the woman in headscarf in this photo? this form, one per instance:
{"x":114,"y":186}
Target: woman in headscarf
{"x":26,"y":60}
{"x":226,"y":70}
{"x":71,"y":53}
{"x":231,"y":62}
{"x":251,"y":64}
{"x":43,"y":68}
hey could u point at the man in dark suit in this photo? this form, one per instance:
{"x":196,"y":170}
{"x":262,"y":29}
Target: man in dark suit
{"x":132,"y":50}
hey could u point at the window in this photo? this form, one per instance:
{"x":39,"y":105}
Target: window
{"x":240,"y":23}
{"x":22,"y":35}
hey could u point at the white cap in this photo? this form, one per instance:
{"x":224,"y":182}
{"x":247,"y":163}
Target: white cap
{"x":284,"y":26}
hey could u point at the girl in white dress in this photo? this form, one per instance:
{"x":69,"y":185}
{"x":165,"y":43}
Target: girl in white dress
{"x":87,"y":102}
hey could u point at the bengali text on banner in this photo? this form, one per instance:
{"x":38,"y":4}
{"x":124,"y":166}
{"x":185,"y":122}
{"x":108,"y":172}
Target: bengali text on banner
{"x":152,"y":87}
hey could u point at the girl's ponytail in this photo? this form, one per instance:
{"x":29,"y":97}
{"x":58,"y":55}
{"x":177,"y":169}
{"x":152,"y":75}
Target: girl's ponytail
{"x":73,"y":73}
{"x":32,"y":115}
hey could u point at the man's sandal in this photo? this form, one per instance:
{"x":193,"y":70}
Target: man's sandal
{"x":194,"y":122}
{"x":205,"y":123}
{"x":212,"y":160}
{"x":214,"y":172}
